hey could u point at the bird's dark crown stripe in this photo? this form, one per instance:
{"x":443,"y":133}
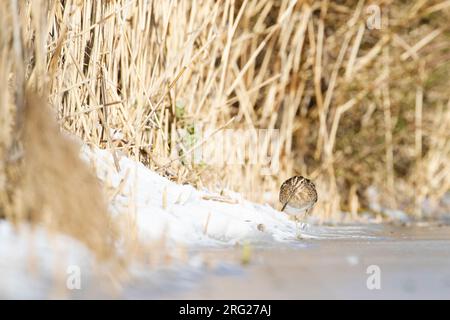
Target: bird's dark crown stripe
{"x":299,"y":181}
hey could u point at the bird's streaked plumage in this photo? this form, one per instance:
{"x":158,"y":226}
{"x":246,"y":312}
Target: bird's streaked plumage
{"x":297,"y":195}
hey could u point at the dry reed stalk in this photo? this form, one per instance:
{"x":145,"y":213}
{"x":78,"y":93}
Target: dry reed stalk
{"x":56,"y":187}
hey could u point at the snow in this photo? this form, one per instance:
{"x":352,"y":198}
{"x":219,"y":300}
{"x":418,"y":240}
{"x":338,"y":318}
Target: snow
{"x":182,"y":214}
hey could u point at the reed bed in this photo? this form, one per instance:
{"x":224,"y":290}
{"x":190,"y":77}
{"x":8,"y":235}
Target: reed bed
{"x":353,"y":105}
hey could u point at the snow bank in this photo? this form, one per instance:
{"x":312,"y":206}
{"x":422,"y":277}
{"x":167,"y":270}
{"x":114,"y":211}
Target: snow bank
{"x":36,"y":264}
{"x":182,"y":214}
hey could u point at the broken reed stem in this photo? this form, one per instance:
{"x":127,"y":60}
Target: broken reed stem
{"x":205,"y":229}
{"x":388,"y":130}
{"x":19,"y":74}
{"x":418,"y":150}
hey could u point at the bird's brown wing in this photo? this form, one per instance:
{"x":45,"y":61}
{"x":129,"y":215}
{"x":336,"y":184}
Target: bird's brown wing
{"x":287,"y":200}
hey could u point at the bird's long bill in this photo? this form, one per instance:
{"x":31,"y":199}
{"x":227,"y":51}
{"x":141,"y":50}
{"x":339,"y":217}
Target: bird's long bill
{"x":284,"y":206}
